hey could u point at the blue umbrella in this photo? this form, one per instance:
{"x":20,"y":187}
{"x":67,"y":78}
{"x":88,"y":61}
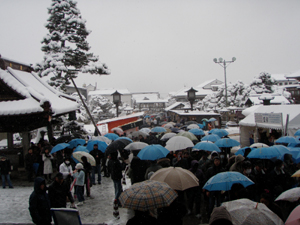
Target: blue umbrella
{"x":210,"y":132}
{"x":75,"y":142}
{"x":111,"y":136}
{"x":220,"y":132}
{"x":227,"y":143}
{"x":126,"y":138}
{"x":286,"y":140}
{"x":79,"y":149}
{"x":59,"y":147}
{"x":201,"y":125}
{"x":212,"y":138}
{"x":224,"y":181}
{"x":267,"y":153}
{"x":153,"y":152}
{"x":206,"y":146}
{"x":158,"y":130}
{"x":295,"y":152}
{"x":297,"y":133}
{"x":101,"y":145}
{"x":297,"y":144}
{"x":212,"y":119}
{"x":241,"y":151}
{"x":197,"y":131}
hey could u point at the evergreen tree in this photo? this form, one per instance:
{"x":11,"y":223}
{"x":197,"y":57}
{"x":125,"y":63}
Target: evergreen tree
{"x":65,"y":46}
{"x":263,"y":83}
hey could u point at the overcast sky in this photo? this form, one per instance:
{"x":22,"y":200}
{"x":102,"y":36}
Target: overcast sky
{"x":163,"y":45}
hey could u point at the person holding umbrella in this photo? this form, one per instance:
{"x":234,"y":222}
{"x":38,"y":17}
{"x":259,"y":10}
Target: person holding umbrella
{"x":98,"y":155}
{"x":115,"y":170}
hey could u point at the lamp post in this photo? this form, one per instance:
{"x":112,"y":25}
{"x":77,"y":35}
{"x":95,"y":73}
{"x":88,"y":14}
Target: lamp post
{"x":116,"y":100}
{"x":222,"y":63}
{"x":191,"y":95}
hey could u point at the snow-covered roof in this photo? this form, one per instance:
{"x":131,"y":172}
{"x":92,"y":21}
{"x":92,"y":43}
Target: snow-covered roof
{"x":174,"y":105}
{"x":35,"y":93}
{"x":201,"y":92}
{"x":121,"y":117}
{"x":280,"y":77}
{"x":152,"y":101}
{"x":194,"y":113}
{"x":293,"y":75}
{"x":109,"y":92}
{"x":278,"y":99}
{"x":292,"y":110}
{"x":142,"y":96}
{"x":204,"y":84}
{"x":11,"y":60}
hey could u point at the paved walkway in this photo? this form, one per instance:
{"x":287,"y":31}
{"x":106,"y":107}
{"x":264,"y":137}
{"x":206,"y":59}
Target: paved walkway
{"x":96,"y":210}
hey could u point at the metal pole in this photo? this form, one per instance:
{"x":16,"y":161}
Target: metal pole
{"x":86,"y":108}
{"x":117,"y":108}
{"x":225,"y":83}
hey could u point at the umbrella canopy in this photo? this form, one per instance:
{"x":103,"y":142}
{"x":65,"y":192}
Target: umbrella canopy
{"x":117,"y":145}
{"x":291,"y":195}
{"x":175,"y":130}
{"x":101,"y":138}
{"x":227,"y":143}
{"x":167,"y":136}
{"x":147,"y":195}
{"x":204,"y":119}
{"x":212,"y":138}
{"x":59,"y":147}
{"x":219,"y":132}
{"x":168,"y":125}
{"x":81,"y":149}
{"x":286,"y":140}
{"x":101,"y":145}
{"x":146,"y":130}
{"x":244,"y":212}
{"x":206,"y":146}
{"x":197,"y":131}
{"x":296,"y":174}
{"x":189,"y":135}
{"x":111,"y":136}
{"x":90,"y":158}
{"x":267,"y":153}
{"x":138,"y":133}
{"x":117,"y":129}
{"x":158,"y":130}
{"x":136,"y":146}
{"x":153,"y":152}
{"x":297,"y":133}
{"x":124,"y":138}
{"x":192,"y":126}
{"x":223,"y":181}
{"x":294,"y":217}
{"x":75,"y":142}
{"x":241,"y":151}
{"x":178,"y":143}
{"x":258,"y":145}
{"x":212,"y":119}
{"x":176,"y":177}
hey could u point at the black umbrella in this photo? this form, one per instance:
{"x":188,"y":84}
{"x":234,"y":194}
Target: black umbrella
{"x":119,"y":144}
{"x":175,"y":130}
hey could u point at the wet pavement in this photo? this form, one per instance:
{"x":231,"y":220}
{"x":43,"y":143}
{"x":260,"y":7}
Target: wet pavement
{"x":96,"y":210}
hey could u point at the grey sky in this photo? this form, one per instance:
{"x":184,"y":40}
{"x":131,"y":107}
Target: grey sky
{"x":162,"y":45}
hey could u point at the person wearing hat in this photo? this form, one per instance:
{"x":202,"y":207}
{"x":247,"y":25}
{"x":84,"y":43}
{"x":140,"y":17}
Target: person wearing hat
{"x":5,"y":170}
{"x":58,"y":191}
{"x":79,"y":175}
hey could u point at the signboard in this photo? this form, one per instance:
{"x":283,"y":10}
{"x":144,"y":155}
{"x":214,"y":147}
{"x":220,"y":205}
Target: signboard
{"x":274,"y":118}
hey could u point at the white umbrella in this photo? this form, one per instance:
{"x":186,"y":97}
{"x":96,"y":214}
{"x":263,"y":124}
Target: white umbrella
{"x":178,"y":143}
{"x":245,"y":212}
{"x":168,"y":125}
{"x":117,"y":129}
{"x":101,"y":138}
{"x":291,"y":195}
{"x":167,"y":136}
{"x":90,"y":158}
{"x":135,"y":146}
{"x":258,"y":145}
{"x":146,"y":130}
{"x":193,"y":126}
{"x":138,"y":133}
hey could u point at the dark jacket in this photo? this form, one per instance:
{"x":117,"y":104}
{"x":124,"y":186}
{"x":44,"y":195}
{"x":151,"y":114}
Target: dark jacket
{"x":5,"y":167}
{"x":197,"y":172}
{"x":212,"y":171}
{"x":138,"y":169}
{"x":115,"y":169}
{"x":172,"y":214}
{"x":98,"y":155}
{"x":58,"y":193}
{"x":39,"y":204}
{"x":142,"y":219}
{"x":29,"y":160}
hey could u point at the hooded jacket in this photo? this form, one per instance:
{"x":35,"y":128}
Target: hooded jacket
{"x":58,"y":193}
{"x":39,"y":204}
{"x":237,"y":166}
{"x":197,"y":172}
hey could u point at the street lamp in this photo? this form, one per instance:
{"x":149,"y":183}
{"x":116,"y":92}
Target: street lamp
{"x":116,"y":100}
{"x":191,"y":95}
{"x":222,"y":63}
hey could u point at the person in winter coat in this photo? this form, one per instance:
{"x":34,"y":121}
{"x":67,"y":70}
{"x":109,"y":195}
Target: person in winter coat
{"x":87,"y":170}
{"x":142,"y":218}
{"x":48,"y":170}
{"x":66,"y":169}
{"x":237,"y":166}
{"x":98,"y":155}
{"x":115,"y":170}
{"x":79,"y":175}
{"x":152,"y":168}
{"x":30,"y":158}
{"x":58,"y":191}
{"x":39,"y":204}
{"x":5,"y":170}
{"x":194,"y":193}
{"x":138,"y":168}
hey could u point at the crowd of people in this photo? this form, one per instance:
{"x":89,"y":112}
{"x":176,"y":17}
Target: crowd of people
{"x":270,"y":179}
